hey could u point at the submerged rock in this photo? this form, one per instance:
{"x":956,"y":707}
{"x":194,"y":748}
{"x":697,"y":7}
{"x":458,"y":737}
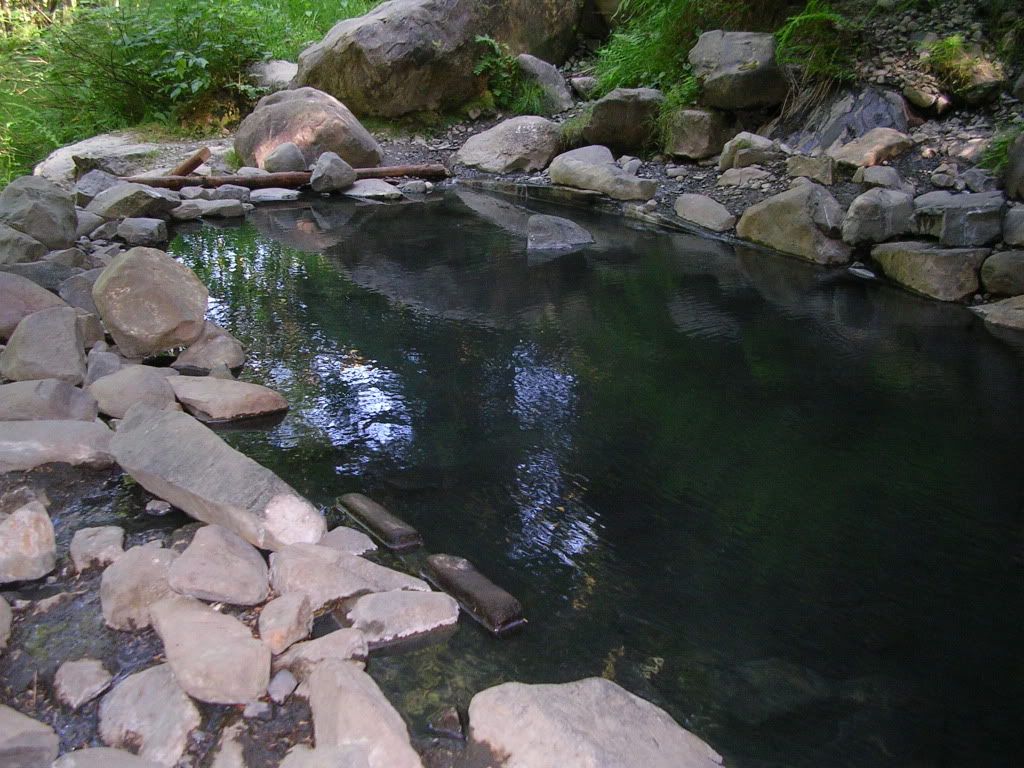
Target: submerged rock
{"x":947,"y":274}
{"x":220,"y":566}
{"x":28,"y":548}
{"x":805,"y":221}
{"x":96,"y":547}
{"x":395,"y":533}
{"x":388,"y":617}
{"x":285,"y":621}
{"x":176,"y":458}
{"x":214,"y":657}
{"x":47,"y":344}
{"x":28,"y":444}
{"x":149,"y":712}
{"x":24,"y":742}
{"x":518,"y":144}
{"x":79,"y":682}
{"x":349,"y":708}
{"x":589,"y":722}
{"x":212,"y":399}
{"x":552,"y":233}
{"x":49,"y":399}
{"x":136,"y":581}
{"x":488,"y":603}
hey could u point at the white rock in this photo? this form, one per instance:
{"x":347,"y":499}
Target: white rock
{"x":96,"y":547}
{"x":348,"y":645}
{"x":103,"y":757}
{"x":46,"y":399}
{"x":28,"y":549}
{"x":230,"y":753}
{"x":28,"y":444}
{"x":24,"y":742}
{"x":133,"y":584}
{"x":704,"y":212}
{"x":281,"y":686}
{"x":348,"y":540}
{"x":350,"y":756}
{"x":273,"y":195}
{"x":386,"y":617}
{"x":374,"y":189}
{"x":79,"y":682}
{"x":220,"y":566}
{"x":147,"y":711}
{"x":286,"y":620}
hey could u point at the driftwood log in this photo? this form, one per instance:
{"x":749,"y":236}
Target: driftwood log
{"x":187,"y":166}
{"x":290,"y":180}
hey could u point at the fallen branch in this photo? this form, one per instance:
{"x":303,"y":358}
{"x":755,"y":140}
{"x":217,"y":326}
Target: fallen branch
{"x":187,"y":166}
{"x":289,"y":180}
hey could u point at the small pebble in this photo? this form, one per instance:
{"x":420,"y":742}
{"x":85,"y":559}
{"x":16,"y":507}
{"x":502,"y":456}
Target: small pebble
{"x":158,"y":508}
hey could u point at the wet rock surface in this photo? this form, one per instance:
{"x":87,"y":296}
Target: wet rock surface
{"x":220,"y":566}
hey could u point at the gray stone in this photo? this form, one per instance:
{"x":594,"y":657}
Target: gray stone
{"x":40,"y":209}
{"x":24,"y":742}
{"x":258,"y":710}
{"x":19,"y":298}
{"x":349,"y":708}
{"x":191,"y":210}
{"x":743,"y":177}
{"x":738,"y":70}
{"x":704,"y":212}
{"x":79,"y":682}
{"x":881,"y":176}
{"x":329,"y":576}
{"x":625,"y":119}
{"x":140,"y":231}
{"x":584,"y":86}
{"x":1003,"y":273}
{"x":281,"y":686}
{"x":220,"y":566}
{"x":1018,"y":88}
{"x":348,"y":540}
{"x":149,"y":302}
{"x":46,"y":345}
{"x":16,"y":247}
{"x":176,"y":458}
{"x":150,"y":713}
{"x":589,"y":722}
{"x":746,"y":149}
{"x":373,"y":189}
{"x":849,"y":115}
{"x":805,"y":221}
{"x":1013,"y":176}
{"x":273,"y":195}
{"x":128,"y":200}
{"x":964,"y":220}
{"x":284,"y":158}
{"x":873,"y":148}
{"x":214,"y":657}
{"x":947,"y":274}
{"x":286,"y":620}
{"x":133,"y":384}
{"x":103,"y":757}
{"x":518,"y":144}
{"x":213,"y":348}
{"x":101,"y":362}
{"x":46,"y":274}
{"x":28,"y":549}
{"x":978,"y":180}
{"x":1005,"y":315}
{"x":414,"y":56}
{"x":92,"y":183}
{"x":388,"y":617}
{"x":25,"y":445}
{"x":69,"y":257}
{"x":557,"y":96}
{"x":312,"y":120}
{"x":349,"y":756}
{"x":230,"y":192}
{"x":332,"y":174}
{"x":348,"y":645}
{"x":595,"y":168}
{"x":135,"y":582}
{"x":6,"y":619}
{"x":552,"y":233}
{"x":817,"y":169}
{"x":274,"y":75}
{"x":219,"y":400}
{"x":97,"y":547}
{"x":1013,"y":226}
{"x":878,"y":215}
{"x":77,"y":290}
{"x":48,"y":399}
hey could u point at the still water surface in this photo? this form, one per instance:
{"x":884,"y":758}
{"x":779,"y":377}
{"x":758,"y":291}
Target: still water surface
{"x":781,"y":503}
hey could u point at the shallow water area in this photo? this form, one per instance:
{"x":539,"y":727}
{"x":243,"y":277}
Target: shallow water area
{"x":780,"y":502}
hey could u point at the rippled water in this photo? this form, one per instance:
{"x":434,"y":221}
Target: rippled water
{"x":781,"y":503}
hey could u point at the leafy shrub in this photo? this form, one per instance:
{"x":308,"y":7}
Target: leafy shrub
{"x":820,"y":43}
{"x":997,"y":154}
{"x":509,"y":90}
{"x":949,"y":60}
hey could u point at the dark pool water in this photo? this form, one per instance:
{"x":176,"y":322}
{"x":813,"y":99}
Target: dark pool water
{"x":781,"y":503}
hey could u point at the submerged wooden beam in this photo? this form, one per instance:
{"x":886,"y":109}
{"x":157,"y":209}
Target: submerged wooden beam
{"x":482,"y":599}
{"x":288,"y":180}
{"x":393,"y":532}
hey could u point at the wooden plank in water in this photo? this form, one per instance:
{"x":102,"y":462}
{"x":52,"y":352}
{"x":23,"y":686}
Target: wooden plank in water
{"x":482,"y":599}
{"x":393,"y":532}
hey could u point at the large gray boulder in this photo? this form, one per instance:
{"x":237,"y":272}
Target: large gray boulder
{"x":91,"y":183}
{"x":48,"y":399}
{"x":517,"y":144}
{"x":1013,"y":177}
{"x":805,"y":221}
{"x":214,"y":656}
{"x":142,"y":231}
{"x":135,"y":582}
{"x":214,"y":348}
{"x":548,"y":79}
{"x":149,"y":713}
{"x":965,"y":220}
{"x":349,"y":708}
{"x":409,"y":56}
{"x":878,"y":215}
{"x":28,"y":549}
{"x":594,"y":168}
{"x":128,"y":200}
{"x":25,"y":445}
{"x":1001,"y":274}
{"x":40,"y":209}
{"x":314,"y":121}
{"x":698,"y":133}
{"x":589,"y":722}
{"x":47,"y":344}
{"x":947,"y":274}
{"x":625,"y":119}
{"x":221,"y":567}
{"x":738,"y":70}
{"x":119,"y":391}
{"x":849,"y":115}
{"x":1013,"y":226}
{"x":24,"y":742}
{"x":176,"y":458}
{"x":149,"y":302}
{"x":16,"y":247}
{"x":219,"y":400}
{"x":19,"y":298}
{"x":77,"y":290}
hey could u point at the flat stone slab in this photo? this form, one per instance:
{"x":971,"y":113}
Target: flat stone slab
{"x":79,"y":682}
{"x":214,"y":657}
{"x":220,"y":566}
{"x":103,"y":757}
{"x":947,"y":274}
{"x":24,"y":742}
{"x":484,"y":600}
{"x":329,"y":576}
{"x":133,"y":384}
{"x":1007,"y":314}
{"x":46,"y":400}
{"x":218,"y":400}
{"x":390,"y":617}
{"x":348,"y":540}
{"x":348,"y":645}
{"x":373,"y":189}
{"x":273,"y":195}
{"x":589,"y":722}
{"x":96,"y":547}
{"x":25,"y":445}
{"x":133,"y":584}
{"x":393,"y":532}
{"x":150,"y":713}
